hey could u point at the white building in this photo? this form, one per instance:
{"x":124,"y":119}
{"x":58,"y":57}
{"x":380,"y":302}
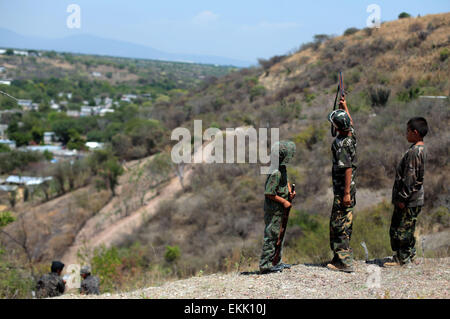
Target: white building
{"x":73,"y":113}
{"x":25,"y":104}
{"x":49,"y":137}
{"x":3,"y":128}
{"x":11,"y":144}
{"x":128,"y":97}
{"x":105,"y":110}
{"x":55,"y":107}
{"x":94,"y":145}
{"x":5,"y":82}
{"x":20,"y":52}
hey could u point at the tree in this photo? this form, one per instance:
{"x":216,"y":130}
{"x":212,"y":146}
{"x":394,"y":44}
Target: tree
{"x":76,"y":142}
{"x":111,"y":172}
{"x":350,"y":31}
{"x":21,"y":240}
{"x":104,"y":164}
{"x":404,"y":15}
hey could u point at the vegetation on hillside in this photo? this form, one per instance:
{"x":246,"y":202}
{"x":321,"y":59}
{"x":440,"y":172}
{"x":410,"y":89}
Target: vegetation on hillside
{"x":215,"y":223}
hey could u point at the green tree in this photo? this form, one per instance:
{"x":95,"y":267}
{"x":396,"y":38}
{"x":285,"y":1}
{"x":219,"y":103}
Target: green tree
{"x":172,"y":254}
{"x":404,"y":15}
{"x":76,"y":142}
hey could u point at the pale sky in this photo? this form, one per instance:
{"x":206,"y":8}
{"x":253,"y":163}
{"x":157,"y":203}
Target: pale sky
{"x":245,"y":29}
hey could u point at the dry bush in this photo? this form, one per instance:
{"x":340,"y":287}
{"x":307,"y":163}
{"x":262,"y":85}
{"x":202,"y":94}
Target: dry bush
{"x":416,"y":26}
{"x":379,"y":95}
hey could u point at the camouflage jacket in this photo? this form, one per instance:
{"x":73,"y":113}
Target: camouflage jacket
{"x":90,"y":285}
{"x":276,"y":184}
{"x":408,"y":185}
{"x":277,"y":181}
{"x":343,"y":150}
{"x":50,"y":285}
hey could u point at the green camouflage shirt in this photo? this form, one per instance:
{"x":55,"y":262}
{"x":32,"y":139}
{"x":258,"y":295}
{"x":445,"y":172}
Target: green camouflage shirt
{"x":277,"y":181}
{"x":408,"y":185}
{"x":344,"y":156}
{"x":276,"y":184}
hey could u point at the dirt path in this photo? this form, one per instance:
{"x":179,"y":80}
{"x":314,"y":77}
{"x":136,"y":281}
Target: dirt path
{"x":108,"y":227}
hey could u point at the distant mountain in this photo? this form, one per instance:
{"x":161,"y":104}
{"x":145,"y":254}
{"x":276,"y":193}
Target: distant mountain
{"x":89,"y":44}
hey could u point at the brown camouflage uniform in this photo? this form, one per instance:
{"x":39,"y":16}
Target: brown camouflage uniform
{"x":50,"y":285}
{"x":407,"y":189}
{"x":276,"y":184}
{"x":341,"y":220}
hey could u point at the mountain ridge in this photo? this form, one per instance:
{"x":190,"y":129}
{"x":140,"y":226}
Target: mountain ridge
{"x":92,"y":44}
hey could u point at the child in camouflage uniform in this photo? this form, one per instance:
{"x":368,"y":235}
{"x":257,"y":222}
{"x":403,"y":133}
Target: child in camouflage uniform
{"x":277,"y":192}
{"x":90,"y":284}
{"x":408,"y":194}
{"x":344,"y":188}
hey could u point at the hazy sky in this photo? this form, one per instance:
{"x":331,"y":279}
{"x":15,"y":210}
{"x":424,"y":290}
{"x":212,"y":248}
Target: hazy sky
{"x":244,"y":29}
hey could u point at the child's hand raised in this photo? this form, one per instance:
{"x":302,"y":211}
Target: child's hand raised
{"x":343,"y":103}
{"x":292,"y":195}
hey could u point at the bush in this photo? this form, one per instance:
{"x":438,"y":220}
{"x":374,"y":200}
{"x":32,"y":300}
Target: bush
{"x":350,"y":31}
{"x":409,"y":94}
{"x":106,"y":264}
{"x":444,"y":54}
{"x":310,"y":136}
{"x":14,"y":282}
{"x":172,"y":254}
{"x":404,"y":15}
{"x":379,"y":95}
{"x":257,"y":90}
{"x":417,"y":26}
{"x":13,"y":160}
{"x":267,"y":64}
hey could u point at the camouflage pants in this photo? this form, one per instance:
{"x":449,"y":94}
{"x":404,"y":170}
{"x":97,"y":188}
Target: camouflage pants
{"x":402,"y":229}
{"x":341,"y":223}
{"x":271,"y":232}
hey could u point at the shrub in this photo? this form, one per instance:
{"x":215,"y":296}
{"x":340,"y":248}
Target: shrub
{"x":444,"y":54}
{"x":409,"y":94}
{"x":350,"y":31}
{"x":310,"y":136}
{"x":172,"y":254}
{"x":106,"y":264}
{"x":417,"y":26}
{"x":14,"y":282}
{"x":267,"y":64}
{"x":257,"y":90}
{"x":404,"y":15}
{"x":379,"y":95}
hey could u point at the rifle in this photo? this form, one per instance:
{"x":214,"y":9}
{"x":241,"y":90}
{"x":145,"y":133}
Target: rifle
{"x":340,"y":93}
{"x":284,"y":220}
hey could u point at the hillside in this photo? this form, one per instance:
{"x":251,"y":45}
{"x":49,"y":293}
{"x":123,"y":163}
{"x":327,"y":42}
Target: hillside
{"x":215,"y":222}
